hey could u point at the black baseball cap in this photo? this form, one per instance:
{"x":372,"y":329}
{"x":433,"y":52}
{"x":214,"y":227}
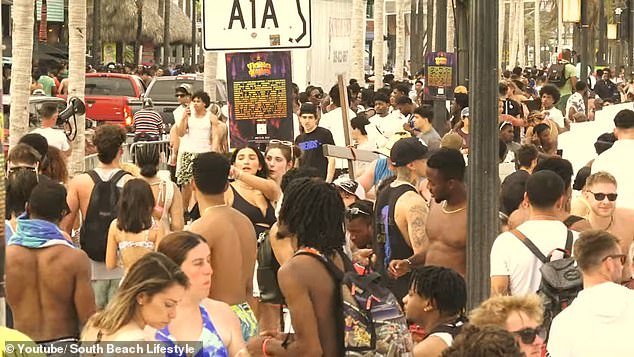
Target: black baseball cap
{"x":308,"y":108}
{"x":407,"y":150}
{"x":624,"y":119}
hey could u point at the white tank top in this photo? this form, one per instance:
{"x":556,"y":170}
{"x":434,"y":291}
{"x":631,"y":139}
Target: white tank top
{"x":198,"y":136}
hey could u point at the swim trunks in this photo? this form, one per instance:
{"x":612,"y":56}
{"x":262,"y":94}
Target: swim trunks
{"x":248,"y":323}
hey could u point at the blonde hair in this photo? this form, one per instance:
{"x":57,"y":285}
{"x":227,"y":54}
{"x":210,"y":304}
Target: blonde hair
{"x":150,"y":275}
{"x":600,"y":177}
{"x":496,"y":310}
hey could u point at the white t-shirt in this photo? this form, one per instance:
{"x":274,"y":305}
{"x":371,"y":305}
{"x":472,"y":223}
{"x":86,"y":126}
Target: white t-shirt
{"x":510,"y":257}
{"x":616,"y":161}
{"x":55,"y":138}
{"x":556,"y":116}
{"x":333,"y":121}
{"x":382,"y":129}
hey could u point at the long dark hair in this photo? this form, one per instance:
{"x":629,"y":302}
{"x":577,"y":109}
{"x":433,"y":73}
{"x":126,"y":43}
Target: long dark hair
{"x":146,"y":158}
{"x":177,"y":245}
{"x":135,"y":207}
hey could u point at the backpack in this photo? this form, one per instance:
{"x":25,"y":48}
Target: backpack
{"x":561,"y":278}
{"x":267,"y":271}
{"x":557,"y":74}
{"x":373,"y":322}
{"x":102,"y":210}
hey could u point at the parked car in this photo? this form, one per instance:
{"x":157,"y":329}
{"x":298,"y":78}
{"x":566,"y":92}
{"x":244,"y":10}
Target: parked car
{"x":162,"y":89}
{"x":108,"y":97}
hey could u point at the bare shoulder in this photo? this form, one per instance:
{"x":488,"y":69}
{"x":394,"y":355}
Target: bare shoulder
{"x":431,"y":346}
{"x":218,"y":308}
{"x":624,"y":213}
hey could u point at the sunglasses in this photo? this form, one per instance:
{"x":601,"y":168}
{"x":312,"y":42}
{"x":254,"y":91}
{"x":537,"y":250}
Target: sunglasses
{"x":355,"y":211}
{"x":601,"y":196}
{"x":621,"y":257}
{"x":14,"y":169}
{"x":285,"y":143}
{"x":528,"y":335}
{"x":505,"y":123}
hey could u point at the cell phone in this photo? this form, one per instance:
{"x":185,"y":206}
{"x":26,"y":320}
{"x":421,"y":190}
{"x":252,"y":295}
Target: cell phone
{"x":560,"y":152}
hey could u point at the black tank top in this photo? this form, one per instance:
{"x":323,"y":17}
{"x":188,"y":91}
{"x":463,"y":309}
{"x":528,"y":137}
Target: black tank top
{"x":254,"y":213}
{"x":390,"y":243}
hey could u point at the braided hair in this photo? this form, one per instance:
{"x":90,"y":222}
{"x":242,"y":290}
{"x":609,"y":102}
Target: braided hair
{"x":444,"y":286}
{"x":313,"y":211}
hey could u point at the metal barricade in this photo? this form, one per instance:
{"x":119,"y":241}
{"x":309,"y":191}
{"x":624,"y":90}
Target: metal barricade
{"x":91,"y":161}
{"x":164,"y":151}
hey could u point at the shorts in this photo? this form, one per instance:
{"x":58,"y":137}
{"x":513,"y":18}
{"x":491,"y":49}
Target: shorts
{"x":104,"y":291}
{"x":184,"y":168}
{"x":63,"y":344}
{"x":248,"y":323}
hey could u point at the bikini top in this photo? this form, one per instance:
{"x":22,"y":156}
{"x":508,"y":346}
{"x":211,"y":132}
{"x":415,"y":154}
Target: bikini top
{"x":212,"y":345}
{"x":147,"y":243}
{"x":253,"y":212}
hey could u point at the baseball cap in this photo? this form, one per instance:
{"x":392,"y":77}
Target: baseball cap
{"x":385,"y":150}
{"x":308,"y":108}
{"x":461,"y":89}
{"x":451,"y":140}
{"x":407,"y":150}
{"x":624,"y":119}
{"x":37,"y":142}
{"x":184,"y":88}
{"x":350,"y":186}
{"x":465,"y":112}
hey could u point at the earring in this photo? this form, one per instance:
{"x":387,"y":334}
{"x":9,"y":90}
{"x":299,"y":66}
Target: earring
{"x":427,"y":309}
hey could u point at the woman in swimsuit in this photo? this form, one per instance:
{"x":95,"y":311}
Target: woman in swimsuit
{"x":198,"y":318}
{"x":252,"y":191}
{"x":148,"y":296}
{"x":169,"y":203}
{"x":133,"y":233}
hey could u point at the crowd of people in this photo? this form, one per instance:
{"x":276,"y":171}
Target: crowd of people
{"x":280,"y":251}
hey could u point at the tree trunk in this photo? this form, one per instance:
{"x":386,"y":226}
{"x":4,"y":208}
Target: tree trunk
{"x":521,"y":54}
{"x":22,"y":52}
{"x":501,"y":34}
{"x":538,"y":50}
{"x":77,"y":77}
{"x":3,"y":205}
{"x":43,"y":30}
{"x":139,"y":32}
{"x":194,"y":37}
{"x":399,"y":58}
{"x":451,"y":28}
{"x":96,"y":32}
{"x":378,"y":45}
{"x":209,"y":79}
{"x":357,"y":69}
{"x":167,"y":47}
{"x":513,"y":40}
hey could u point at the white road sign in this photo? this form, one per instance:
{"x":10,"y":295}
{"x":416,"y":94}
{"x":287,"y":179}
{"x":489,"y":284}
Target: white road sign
{"x":233,"y":25}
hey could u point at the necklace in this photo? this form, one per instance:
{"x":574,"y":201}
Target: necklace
{"x":444,"y":208}
{"x":215,"y":206}
{"x":609,"y":224}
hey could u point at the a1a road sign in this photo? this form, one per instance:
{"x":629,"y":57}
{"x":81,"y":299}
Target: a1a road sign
{"x":233,"y":25}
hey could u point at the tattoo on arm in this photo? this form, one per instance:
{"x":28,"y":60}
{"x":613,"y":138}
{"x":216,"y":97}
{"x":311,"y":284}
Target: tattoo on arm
{"x":416,"y":219}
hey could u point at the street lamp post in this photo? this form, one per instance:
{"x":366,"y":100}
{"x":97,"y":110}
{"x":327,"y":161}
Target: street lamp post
{"x":440,"y":110}
{"x":483,"y":166}
{"x":617,"y":61}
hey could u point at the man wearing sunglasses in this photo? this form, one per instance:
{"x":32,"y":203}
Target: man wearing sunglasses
{"x":600,"y":193}
{"x":600,"y":321}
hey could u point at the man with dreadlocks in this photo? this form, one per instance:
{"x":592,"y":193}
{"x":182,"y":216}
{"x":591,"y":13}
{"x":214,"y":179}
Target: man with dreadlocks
{"x":230,"y":236}
{"x":313,"y":212}
{"x":436,"y":301}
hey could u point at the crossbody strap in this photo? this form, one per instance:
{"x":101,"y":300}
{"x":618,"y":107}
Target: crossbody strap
{"x":569,"y":243}
{"x":530,"y":245}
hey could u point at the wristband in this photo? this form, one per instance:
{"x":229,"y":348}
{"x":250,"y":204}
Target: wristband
{"x":264,"y":346}
{"x":409,"y":262}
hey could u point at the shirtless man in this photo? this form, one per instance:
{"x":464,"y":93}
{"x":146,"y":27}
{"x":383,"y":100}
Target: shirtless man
{"x":446,"y":224}
{"x":108,"y":139}
{"x":600,"y":193}
{"x":313,"y":212}
{"x":230,"y":236}
{"x":400,"y":214}
{"x":47,"y":279}
{"x":563,"y":168}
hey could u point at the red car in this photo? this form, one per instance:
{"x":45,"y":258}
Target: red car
{"x":108,"y":97}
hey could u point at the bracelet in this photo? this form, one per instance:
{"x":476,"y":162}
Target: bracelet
{"x":264,"y":346}
{"x":409,"y":262}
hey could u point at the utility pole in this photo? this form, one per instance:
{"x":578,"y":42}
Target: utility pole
{"x":440,"y":109}
{"x":462,"y":43}
{"x":585,"y":32}
{"x":483,"y":165}
{"x":603,"y":28}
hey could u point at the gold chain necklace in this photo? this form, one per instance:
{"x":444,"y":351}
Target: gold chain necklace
{"x":444,"y":208}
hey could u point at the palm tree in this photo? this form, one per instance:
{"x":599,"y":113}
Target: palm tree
{"x":358,"y":39}
{"x":209,"y":79}
{"x":167,"y":49}
{"x":139,"y":32}
{"x":77,"y":76}
{"x":538,"y":52}
{"x":378,"y":45}
{"x":399,"y":59}
{"x":521,"y":57}
{"x":22,"y":54}
{"x":501,"y":33}
{"x":96,"y":32}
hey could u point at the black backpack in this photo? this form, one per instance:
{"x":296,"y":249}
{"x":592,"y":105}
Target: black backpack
{"x":267,"y":271}
{"x":557,"y":74}
{"x":373,"y":322}
{"x":102,"y":210}
{"x":561,"y":279}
